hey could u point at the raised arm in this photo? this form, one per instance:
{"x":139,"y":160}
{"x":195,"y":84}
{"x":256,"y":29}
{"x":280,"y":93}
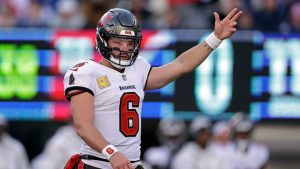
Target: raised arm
{"x":192,"y":58}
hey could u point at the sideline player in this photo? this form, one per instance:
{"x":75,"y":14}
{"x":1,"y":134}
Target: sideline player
{"x":106,"y":97}
{"x":249,"y":153}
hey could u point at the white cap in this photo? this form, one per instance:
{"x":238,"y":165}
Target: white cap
{"x":172,"y":126}
{"x":3,"y":121}
{"x":237,"y":118}
{"x":221,"y":127}
{"x":200,"y":122}
{"x":244,"y":126}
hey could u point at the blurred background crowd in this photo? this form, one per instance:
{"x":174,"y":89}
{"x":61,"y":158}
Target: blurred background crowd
{"x":267,"y":15}
{"x":207,"y":144}
{"x":197,"y":144}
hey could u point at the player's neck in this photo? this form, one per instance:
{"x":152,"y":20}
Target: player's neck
{"x":108,"y":64}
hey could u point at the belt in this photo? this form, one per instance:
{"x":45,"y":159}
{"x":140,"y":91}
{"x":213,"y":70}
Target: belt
{"x":91,"y":167}
{"x":91,"y":157}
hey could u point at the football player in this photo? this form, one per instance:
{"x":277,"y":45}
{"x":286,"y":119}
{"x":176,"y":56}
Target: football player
{"x":249,"y":153}
{"x":106,"y":98}
{"x":171,"y":134}
{"x":196,"y":153}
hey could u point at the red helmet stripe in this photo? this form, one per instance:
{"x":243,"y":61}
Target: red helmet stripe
{"x":105,"y":19}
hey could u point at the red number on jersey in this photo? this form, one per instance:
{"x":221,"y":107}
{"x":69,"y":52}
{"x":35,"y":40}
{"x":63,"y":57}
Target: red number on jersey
{"x":129,"y":118}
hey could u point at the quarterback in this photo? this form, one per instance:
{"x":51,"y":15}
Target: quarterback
{"x":106,"y":98}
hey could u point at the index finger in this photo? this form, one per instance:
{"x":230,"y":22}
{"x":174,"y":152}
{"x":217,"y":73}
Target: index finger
{"x":231,"y":13}
{"x":217,"y":17}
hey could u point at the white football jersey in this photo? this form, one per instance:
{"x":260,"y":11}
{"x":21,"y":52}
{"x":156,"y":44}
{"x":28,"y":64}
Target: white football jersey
{"x":193,"y":156}
{"x":256,"y":156}
{"x":118,"y":99}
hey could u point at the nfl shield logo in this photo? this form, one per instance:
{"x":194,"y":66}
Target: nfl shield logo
{"x":124,"y":77}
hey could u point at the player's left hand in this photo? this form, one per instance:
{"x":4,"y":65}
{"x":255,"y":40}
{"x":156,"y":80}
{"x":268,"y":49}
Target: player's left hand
{"x":226,"y":27}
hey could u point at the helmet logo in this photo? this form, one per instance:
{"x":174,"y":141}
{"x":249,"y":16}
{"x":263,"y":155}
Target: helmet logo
{"x":105,"y":19}
{"x":127,"y":32}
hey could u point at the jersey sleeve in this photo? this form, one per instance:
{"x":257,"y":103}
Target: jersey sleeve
{"x":146,"y":69}
{"x":77,"y":81}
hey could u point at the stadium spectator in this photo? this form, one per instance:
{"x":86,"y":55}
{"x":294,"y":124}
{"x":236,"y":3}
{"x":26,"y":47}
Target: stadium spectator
{"x":12,"y":152}
{"x":294,"y":17}
{"x":178,"y":14}
{"x":8,"y":15}
{"x":191,"y":15}
{"x":68,"y":15}
{"x":247,"y":21}
{"x":36,"y":16}
{"x":93,"y":10}
{"x":226,"y":5}
{"x":270,"y":16}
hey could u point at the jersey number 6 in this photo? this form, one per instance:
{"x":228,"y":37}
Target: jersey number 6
{"x":129,"y":117}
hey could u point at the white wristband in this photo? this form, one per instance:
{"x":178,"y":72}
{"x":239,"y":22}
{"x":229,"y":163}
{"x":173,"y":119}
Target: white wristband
{"x":212,"y":41}
{"x":109,"y":150}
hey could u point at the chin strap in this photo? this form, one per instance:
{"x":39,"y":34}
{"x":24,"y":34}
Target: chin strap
{"x":114,"y":62}
{"x":117,"y":66}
